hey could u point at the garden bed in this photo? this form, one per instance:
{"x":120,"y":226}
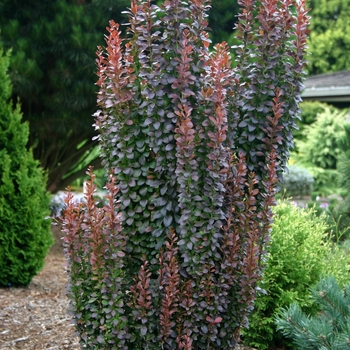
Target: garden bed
{"x":35,"y":317}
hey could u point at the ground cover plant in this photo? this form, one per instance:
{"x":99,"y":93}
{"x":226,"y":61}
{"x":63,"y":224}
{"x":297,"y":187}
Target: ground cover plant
{"x":195,"y":149}
{"x":25,"y":236}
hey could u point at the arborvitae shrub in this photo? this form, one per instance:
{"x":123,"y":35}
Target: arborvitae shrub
{"x":196,"y":148}
{"x":299,"y":255}
{"x":25,"y":235}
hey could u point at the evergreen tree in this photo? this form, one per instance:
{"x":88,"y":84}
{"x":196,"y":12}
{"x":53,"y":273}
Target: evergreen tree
{"x":329,"y":329}
{"x":25,"y":235}
{"x":52,"y":71}
{"x":329,"y":42}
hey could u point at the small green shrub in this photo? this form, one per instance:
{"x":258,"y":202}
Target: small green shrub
{"x":329,"y":329}
{"x":299,"y":255}
{"x":25,"y":235}
{"x":297,"y":182}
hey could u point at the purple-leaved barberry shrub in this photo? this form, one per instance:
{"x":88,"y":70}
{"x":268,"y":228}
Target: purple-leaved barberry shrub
{"x":196,"y":148}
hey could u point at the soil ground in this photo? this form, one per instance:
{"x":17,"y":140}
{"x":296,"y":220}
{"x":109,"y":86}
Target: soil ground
{"x":35,"y":317}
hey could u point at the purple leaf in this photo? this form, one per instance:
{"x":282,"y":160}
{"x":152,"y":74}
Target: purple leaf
{"x":143,"y":330}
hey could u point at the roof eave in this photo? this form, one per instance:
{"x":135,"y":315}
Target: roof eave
{"x":332,"y":92}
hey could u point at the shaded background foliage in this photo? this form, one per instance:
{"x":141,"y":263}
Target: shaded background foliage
{"x":329,"y":42}
{"x":223,"y":17}
{"x":52,"y":70}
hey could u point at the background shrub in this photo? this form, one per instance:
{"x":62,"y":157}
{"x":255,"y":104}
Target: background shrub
{"x":325,"y":181}
{"x":319,"y":151}
{"x":336,"y":214}
{"x":299,"y":255}
{"x":320,"y":148}
{"x":343,"y":165}
{"x":25,"y":235}
{"x":341,"y":212}
{"x":297,"y":182}
{"x":308,"y":115}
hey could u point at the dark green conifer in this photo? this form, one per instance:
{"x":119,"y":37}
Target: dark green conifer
{"x":25,"y":236}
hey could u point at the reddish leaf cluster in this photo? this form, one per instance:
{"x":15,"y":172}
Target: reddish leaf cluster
{"x":95,"y":247}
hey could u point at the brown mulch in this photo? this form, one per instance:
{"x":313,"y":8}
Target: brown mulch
{"x":35,"y":317}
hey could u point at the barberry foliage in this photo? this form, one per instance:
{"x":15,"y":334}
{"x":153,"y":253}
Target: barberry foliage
{"x":94,"y":248}
{"x":197,"y":148}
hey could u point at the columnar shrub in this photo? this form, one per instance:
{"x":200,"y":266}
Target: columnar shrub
{"x":25,"y":235}
{"x":196,"y":148}
{"x":94,"y":245}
